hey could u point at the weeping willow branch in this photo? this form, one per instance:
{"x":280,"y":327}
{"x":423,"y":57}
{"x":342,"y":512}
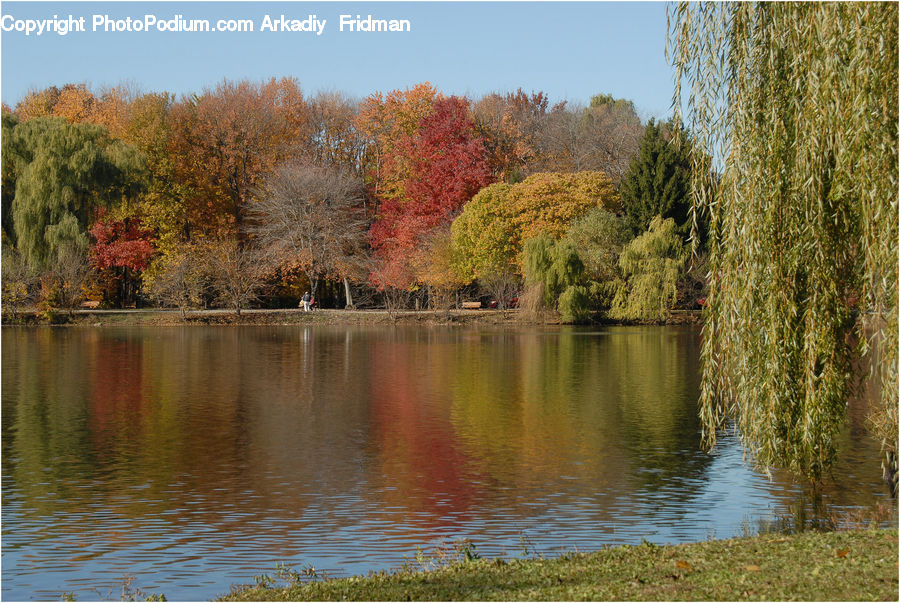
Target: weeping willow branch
{"x":798,"y":105}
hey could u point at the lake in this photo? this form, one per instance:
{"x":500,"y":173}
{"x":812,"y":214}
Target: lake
{"x":188,"y":459}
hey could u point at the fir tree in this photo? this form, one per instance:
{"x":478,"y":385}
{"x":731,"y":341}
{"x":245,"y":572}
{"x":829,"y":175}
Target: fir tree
{"x":658,"y":181}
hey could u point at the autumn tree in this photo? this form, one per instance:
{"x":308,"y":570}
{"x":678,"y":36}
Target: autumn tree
{"x":180,"y":280}
{"x":312,"y":217}
{"x":330,"y":135}
{"x":63,"y":174}
{"x":235,"y":272}
{"x":493,"y":227}
{"x":446,"y":167}
{"x":510,"y":125}
{"x":386,"y":119}
{"x":121,"y":251}
{"x":603,"y":136}
{"x":224,"y":141}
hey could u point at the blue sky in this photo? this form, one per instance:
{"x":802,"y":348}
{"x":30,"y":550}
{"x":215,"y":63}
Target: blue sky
{"x":569,"y":50}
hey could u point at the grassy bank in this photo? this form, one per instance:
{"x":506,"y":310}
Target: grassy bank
{"x":841,"y":566}
{"x":99,"y":318}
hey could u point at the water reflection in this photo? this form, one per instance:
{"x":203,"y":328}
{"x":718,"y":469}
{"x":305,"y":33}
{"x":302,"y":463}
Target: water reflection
{"x":193,"y":458}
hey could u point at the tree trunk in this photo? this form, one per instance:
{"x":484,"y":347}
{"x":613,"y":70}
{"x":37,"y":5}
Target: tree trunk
{"x":348,"y":295}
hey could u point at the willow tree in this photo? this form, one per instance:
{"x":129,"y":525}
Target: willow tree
{"x":798,"y":103}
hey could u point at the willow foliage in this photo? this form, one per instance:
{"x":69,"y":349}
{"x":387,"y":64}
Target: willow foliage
{"x":799,"y":102}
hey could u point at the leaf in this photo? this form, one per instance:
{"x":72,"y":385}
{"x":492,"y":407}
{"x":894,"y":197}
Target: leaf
{"x":752,"y":568}
{"x":683,"y":565}
{"x":842,"y":553}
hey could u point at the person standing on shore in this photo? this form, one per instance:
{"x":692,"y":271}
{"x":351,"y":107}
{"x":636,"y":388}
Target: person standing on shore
{"x":305,"y":302}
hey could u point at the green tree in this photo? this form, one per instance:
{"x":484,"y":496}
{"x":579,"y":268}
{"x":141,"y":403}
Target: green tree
{"x":493,"y":225}
{"x":801,"y":103}
{"x":651,"y":265}
{"x":64,"y":172}
{"x":553,"y":273}
{"x":658,"y":180}
{"x":8,"y":184}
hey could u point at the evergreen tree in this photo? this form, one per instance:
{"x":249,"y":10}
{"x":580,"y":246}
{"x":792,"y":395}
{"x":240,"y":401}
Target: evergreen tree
{"x":658,"y":181}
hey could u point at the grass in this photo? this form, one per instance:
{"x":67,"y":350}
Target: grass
{"x":831,"y":566}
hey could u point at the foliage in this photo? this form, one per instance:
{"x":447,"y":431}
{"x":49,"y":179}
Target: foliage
{"x":446,"y":167}
{"x":651,"y":264}
{"x":492,"y":227}
{"x":658,"y":181}
{"x":64,"y":173}
{"x":801,"y":103}
{"x":224,"y":141}
{"x":311,"y":218}
{"x":384,"y":120}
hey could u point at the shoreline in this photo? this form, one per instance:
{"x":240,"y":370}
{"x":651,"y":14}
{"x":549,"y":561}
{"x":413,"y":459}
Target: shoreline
{"x":811,"y":566}
{"x":295,"y":316}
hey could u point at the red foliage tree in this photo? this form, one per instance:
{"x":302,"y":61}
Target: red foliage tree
{"x":447,"y":166}
{"x":121,"y":249}
{"x":121,"y":244}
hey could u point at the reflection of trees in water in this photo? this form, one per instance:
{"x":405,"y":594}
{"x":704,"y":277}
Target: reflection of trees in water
{"x":654,"y":372}
{"x":423,"y":465}
{"x":149,"y":421}
{"x":531,"y":407}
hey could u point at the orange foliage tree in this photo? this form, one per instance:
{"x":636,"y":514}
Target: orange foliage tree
{"x":385,"y":120}
{"x":224,"y":141}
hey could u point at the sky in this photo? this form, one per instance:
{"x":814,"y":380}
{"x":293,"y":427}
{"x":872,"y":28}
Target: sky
{"x":571,"y":51}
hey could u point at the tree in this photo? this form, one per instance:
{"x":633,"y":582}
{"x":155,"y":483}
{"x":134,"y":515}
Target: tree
{"x":658,"y":181}
{"x":553,"y":271}
{"x":446,"y":167}
{"x":234,"y":272}
{"x":652,"y":264}
{"x":386,"y":119}
{"x":122,"y":247}
{"x":492,"y":227}
{"x":179,"y":280}
{"x":224,"y":141}
{"x":509,"y":125}
{"x":64,"y":173}
{"x":604,"y":136}
{"x":312,"y":218}
{"x":800,"y":102}
{"x":599,"y":236}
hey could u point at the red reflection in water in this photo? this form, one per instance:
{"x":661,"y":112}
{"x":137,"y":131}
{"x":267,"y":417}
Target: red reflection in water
{"x":117,"y":401}
{"x":420,"y":451}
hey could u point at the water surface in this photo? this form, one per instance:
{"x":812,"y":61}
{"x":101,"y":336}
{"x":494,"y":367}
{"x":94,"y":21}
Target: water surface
{"x":193,"y":458}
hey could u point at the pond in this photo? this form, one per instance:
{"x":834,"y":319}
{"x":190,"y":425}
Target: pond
{"x":188,"y":459}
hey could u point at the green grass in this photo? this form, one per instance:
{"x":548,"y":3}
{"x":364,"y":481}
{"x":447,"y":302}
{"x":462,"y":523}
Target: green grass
{"x":841,"y":566}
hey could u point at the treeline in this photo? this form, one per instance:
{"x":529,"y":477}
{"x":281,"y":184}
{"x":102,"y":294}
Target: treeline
{"x":253,"y":193}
